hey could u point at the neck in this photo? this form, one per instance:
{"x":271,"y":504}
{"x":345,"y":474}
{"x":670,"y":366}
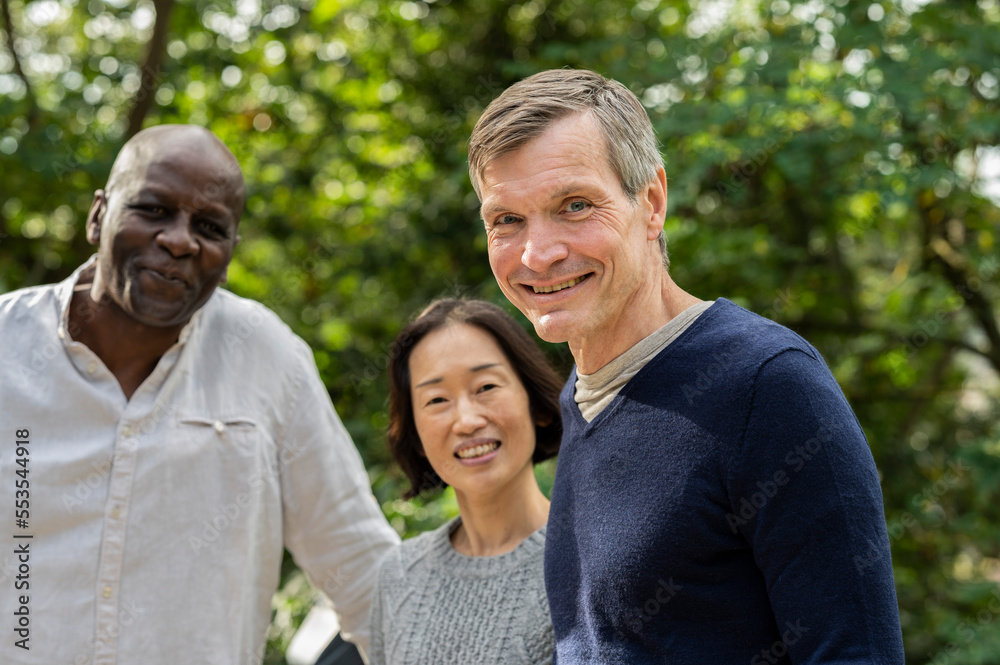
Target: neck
{"x":129,"y":349}
{"x":498,"y":522}
{"x":651,"y":307}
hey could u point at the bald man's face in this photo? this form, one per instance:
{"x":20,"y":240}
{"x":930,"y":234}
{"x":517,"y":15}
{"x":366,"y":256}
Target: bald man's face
{"x":166,"y":227}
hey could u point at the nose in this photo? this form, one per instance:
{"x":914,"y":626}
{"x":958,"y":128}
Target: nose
{"x":468,"y":416}
{"x":543,"y":245}
{"x":176,"y":237}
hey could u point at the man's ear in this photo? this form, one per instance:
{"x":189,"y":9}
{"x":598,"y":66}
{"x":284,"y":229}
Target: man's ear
{"x":654,"y":194}
{"x":225,"y":275}
{"x":96,"y":216}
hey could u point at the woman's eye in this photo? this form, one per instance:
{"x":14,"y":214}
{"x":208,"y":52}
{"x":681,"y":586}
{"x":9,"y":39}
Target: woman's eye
{"x":435,"y":400}
{"x":488,"y":386}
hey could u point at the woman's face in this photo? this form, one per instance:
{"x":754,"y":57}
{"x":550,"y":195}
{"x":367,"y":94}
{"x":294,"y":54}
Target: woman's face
{"x":471,"y":410}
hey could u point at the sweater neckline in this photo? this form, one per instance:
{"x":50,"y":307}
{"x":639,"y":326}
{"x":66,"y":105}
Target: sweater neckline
{"x":460,"y":564}
{"x":671,"y":348}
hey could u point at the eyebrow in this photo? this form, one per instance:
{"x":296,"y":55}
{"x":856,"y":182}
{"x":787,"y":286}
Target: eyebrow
{"x":492,"y":210}
{"x":472,"y":370}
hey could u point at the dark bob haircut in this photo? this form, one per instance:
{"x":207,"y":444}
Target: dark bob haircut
{"x":541,"y":382}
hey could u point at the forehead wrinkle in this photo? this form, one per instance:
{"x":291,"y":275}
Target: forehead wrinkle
{"x":566,"y":146}
{"x":166,"y":142}
{"x":552,"y":189}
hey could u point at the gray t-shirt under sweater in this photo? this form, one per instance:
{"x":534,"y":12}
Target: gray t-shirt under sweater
{"x":435,"y":605}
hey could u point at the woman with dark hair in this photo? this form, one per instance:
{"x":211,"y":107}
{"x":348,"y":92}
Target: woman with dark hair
{"x":473,"y":404}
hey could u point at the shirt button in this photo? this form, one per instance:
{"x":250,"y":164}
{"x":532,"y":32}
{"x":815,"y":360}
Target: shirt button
{"x":116,"y":512}
{"x":219,"y":426}
{"x":107,"y":592}
{"x":126,"y":431}
{"x":92,"y":368}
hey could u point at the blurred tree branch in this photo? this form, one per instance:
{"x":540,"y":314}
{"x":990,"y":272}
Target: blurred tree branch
{"x":8,"y":26}
{"x":979,"y":305}
{"x":150,"y":68}
{"x":954,"y":266}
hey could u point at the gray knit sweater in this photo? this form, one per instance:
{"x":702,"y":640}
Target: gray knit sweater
{"x":436,"y":606}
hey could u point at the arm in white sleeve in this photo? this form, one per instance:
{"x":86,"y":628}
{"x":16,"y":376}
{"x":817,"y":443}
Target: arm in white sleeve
{"x":333,"y":525}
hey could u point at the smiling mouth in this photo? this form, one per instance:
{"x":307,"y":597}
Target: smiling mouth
{"x":560,"y":286}
{"x":165,"y":277}
{"x":477,"y":451}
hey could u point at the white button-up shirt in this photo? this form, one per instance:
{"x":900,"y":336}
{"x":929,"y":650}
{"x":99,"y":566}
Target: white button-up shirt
{"x":151,"y":529}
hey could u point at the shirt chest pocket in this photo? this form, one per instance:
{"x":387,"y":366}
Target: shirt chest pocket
{"x":235,"y":442}
{"x":227,"y":470}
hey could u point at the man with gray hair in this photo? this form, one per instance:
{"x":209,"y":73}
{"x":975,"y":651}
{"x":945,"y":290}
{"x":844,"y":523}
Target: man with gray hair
{"x":164,"y":440}
{"x":715,"y":500}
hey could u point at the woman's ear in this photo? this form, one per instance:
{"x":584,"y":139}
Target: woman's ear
{"x":544,"y":421}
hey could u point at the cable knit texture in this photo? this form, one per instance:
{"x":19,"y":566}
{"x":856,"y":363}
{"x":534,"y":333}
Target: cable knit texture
{"x":435,"y":605}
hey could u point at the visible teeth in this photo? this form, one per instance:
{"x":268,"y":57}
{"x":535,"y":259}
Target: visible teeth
{"x":478,"y":451}
{"x":558,"y":287}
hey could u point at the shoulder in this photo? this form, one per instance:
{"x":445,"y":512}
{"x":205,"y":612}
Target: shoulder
{"x":772,"y":353}
{"x":226,"y":309}
{"x":412,"y":558}
{"x":29,"y":321}
{"x":740,"y":329}
{"x":390,"y":568}
{"x":426,"y":546}
{"x":233,"y":325}
{"x":26,"y":301}
{"x":730,"y":344}
{"x":714,"y":365}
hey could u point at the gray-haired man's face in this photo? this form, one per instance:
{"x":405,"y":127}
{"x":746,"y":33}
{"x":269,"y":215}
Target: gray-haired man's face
{"x":567,"y":246}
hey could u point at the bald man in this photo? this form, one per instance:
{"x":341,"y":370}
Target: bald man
{"x":163,"y":440}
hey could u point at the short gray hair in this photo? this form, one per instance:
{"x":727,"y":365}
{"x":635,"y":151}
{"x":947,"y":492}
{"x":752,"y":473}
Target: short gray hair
{"x":528,"y":108}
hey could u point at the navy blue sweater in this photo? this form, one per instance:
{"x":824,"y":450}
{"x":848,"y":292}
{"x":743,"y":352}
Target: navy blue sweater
{"x":724,"y":508}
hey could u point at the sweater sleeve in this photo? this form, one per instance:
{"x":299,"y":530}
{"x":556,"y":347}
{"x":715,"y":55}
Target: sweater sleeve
{"x":805,"y":494}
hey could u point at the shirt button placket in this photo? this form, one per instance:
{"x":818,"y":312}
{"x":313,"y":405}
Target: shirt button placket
{"x":113,"y":546}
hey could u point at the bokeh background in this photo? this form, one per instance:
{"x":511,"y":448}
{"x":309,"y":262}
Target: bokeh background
{"x":832,"y":165}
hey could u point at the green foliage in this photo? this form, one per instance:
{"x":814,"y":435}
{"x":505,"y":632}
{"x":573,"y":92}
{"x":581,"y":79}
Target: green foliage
{"x":825,"y":161}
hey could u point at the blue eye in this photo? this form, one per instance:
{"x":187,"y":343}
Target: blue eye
{"x":577,"y":206}
{"x":506,"y":219}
